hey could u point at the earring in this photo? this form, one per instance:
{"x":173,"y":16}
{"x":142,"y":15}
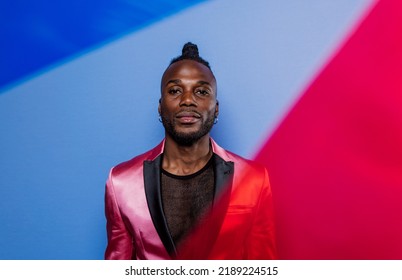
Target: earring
{"x":216,"y":120}
{"x":160,"y":118}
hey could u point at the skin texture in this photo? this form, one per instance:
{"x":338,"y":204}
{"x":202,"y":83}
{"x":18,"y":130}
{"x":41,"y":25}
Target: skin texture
{"x":188,"y":107}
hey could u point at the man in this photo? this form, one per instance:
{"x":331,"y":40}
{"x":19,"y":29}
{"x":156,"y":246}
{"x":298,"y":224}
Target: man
{"x":188,"y":198}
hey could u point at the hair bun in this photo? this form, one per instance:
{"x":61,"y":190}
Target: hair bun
{"x":190,"y":50}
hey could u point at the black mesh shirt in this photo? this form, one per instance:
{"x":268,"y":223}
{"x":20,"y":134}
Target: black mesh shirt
{"x":186,"y":198}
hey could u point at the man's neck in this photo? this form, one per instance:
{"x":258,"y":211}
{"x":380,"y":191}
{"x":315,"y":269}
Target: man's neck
{"x":185,"y":160}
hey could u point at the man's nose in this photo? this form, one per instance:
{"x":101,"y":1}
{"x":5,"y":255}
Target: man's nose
{"x":187,"y":99}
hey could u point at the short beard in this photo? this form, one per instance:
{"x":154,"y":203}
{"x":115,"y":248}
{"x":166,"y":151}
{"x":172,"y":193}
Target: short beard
{"x":187,"y":139}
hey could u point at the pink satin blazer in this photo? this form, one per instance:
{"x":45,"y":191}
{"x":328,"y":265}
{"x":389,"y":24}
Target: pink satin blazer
{"x":240,"y":225}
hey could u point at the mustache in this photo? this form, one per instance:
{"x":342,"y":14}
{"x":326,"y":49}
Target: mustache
{"x":186,"y":113}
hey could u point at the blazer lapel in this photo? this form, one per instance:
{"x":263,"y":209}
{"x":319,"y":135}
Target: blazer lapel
{"x":224,"y":171}
{"x":153,"y":194}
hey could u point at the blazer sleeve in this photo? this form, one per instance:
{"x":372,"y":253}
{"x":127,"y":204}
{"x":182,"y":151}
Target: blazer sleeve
{"x":120,"y":244}
{"x":261,"y":244}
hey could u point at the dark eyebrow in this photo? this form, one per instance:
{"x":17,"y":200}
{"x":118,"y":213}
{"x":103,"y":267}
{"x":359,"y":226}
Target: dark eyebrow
{"x":176,"y":82}
{"x":204,"y":83}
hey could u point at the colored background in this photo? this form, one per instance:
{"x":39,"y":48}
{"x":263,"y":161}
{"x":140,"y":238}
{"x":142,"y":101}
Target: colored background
{"x":79,"y":86}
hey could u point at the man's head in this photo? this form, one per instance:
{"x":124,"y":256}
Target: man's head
{"x":188,"y":104}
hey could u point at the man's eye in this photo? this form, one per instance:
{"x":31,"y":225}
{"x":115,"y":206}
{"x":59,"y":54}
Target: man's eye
{"x":202,"y":92}
{"x":174,"y":91}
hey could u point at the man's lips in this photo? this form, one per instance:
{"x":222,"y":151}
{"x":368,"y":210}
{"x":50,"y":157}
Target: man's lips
{"x":188,"y":117}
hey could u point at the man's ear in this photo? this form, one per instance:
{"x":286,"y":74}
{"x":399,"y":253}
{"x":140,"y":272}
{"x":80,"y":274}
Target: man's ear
{"x":217,"y":108}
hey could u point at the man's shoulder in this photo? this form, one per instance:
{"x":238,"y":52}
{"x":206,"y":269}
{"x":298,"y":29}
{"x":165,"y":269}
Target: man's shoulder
{"x":131,"y":163}
{"x":248,"y":174}
{"x":244,"y":161}
{"x":136,"y":162}
{"x":240,"y":161}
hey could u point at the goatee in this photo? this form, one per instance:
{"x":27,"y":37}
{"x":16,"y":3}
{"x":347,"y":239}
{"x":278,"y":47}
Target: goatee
{"x":187,"y":139}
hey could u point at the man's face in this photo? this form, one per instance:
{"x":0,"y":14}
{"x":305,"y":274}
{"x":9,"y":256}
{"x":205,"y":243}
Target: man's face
{"x":188,"y":105}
